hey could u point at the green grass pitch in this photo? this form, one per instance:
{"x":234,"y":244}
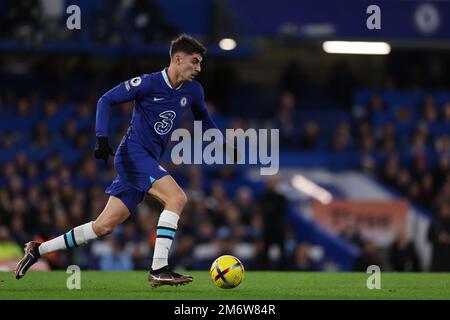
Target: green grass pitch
{"x":264,"y":285}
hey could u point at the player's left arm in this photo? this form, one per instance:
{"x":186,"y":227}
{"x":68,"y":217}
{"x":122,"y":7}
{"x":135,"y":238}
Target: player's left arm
{"x":201,"y":113}
{"x":126,"y":91}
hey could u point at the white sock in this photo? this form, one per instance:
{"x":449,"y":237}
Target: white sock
{"x":165,"y":232}
{"x":74,"y":238}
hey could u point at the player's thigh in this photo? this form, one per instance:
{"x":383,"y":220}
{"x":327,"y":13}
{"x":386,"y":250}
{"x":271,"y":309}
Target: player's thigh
{"x":168,"y":191}
{"x":114,"y":213}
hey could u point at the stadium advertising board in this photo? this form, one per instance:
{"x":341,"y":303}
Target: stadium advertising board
{"x":378,"y":221}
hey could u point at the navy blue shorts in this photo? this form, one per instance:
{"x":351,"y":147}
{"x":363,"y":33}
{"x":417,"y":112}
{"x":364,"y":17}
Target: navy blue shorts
{"x":136,"y":171}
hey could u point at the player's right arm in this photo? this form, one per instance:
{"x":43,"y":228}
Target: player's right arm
{"x":127,"y":91}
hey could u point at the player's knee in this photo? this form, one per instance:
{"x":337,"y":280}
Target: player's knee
{"x":102,"y":230}
{"x":178,"y":200}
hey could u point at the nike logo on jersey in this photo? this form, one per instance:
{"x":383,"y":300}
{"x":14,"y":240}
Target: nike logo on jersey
{"x":158,"y":99}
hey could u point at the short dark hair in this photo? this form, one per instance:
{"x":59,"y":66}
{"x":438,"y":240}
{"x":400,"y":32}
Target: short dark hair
{"x":187,"y":44}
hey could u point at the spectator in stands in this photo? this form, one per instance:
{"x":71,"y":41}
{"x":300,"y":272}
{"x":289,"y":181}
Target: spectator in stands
{"x":217,"y":203}
{"x":85,"y":113}
{"x":341,"y":83}
{"x":405,"y":123}
{"x":342,"y":140}
{"x":390,"y":170}
{"x":364,"y":129}
{"x":403,"y":181}
{"x":427,"y":189}
{"x":377,"y":112}
{"x":5,"y":206}
{"x":446,"y":113}
{"x":403,"y":255}
{"x":429,"y":112}
{"x":368,"y":165}
{"x":149,"y":22}
{"x":70,"y":133}
{"x":41,"y":138}
{"x":285,"y":121}
{"x":388,"y":146}
{"x":367,"y":145}
{"x":309,"y":138}
{"x":239,"y":231}
{"x":21,"y":164}
{"x":116,"y":259}
{"x":441,"y":172}
{"x":16,"y":186}
{"x":34,"y":174}
{"x":294,"y":79}
{"x":7,"y":140}
{"x":388,"y":130}
{"x":21,"y":20}
{"x":439,"y":236}
{"x":414,"y":194}
{"x":7,"y":172}
{"x":136,"y":244}
{"x":18,"y":234}
{"x":205,"y":232}
{"x":350,"y":233}
{"x":23,"y":108}
{"x":274,"y":209}
{"x":369,"y":256}
{"x":418,"y":147}
{"x":51,"y":18}
{"x":244,"y":202}
{"x":183,"y":249}
{"x":444,"y":193}
{"x":9,"y":250}
{"x":367,"y":150}
{"x":442,"y":146}
{"x":302,"y":260}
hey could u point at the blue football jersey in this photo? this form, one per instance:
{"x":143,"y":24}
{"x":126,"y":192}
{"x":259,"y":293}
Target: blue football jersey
{"x":158,"y":109}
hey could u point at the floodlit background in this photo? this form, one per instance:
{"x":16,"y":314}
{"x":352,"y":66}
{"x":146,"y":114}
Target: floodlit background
{"x":364,"y":131}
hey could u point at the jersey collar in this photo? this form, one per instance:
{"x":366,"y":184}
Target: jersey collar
{"x":166,"y":79}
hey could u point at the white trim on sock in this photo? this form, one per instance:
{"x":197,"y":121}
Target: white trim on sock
{"x":162,"y":245}
{"x":84,"y":233}
{"x":55,"y":244}
{"x":168,"y":219}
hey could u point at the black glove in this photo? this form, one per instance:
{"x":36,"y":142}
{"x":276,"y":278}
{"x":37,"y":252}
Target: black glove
{"x":102,"y":149}
{"x":232,"y":152}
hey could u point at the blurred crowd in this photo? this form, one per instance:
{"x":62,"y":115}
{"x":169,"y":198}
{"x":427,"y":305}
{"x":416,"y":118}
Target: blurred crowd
{"x":51,"y":182}
{"x":34,"y":22}
{"x":406,"y":147}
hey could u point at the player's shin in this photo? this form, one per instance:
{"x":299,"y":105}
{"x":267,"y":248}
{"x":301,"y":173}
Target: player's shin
{"x":74,"y":238}
{"x":165,"y":233}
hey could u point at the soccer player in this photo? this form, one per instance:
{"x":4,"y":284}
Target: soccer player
{"x":160,"y":99}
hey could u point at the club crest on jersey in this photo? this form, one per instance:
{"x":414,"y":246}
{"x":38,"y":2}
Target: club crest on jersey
{"x":183,"y":101}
